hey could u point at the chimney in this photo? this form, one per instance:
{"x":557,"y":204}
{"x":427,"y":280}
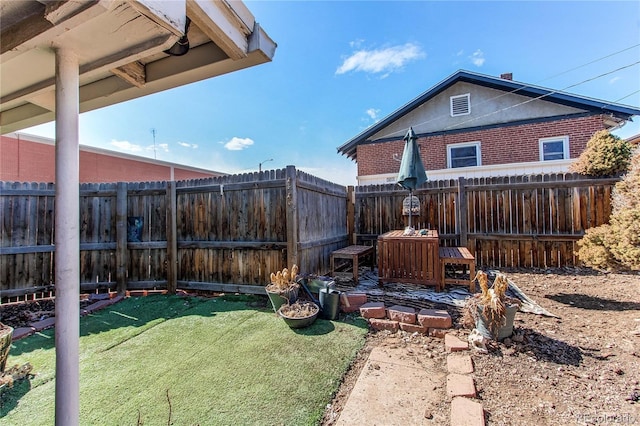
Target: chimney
{"x":507,"y":76}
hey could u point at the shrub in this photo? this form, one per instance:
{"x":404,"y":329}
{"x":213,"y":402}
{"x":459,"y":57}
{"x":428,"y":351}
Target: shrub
{"x":617,"y":245}
{"x":593,"y":249}
{"x":627,"y":192}
{"x":625,"y":247}
{"x":605,"y":155}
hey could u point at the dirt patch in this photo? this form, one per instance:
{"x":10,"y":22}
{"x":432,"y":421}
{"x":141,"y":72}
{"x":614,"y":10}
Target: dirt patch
{"x":580,"y":368}
{"x":22,"y":314}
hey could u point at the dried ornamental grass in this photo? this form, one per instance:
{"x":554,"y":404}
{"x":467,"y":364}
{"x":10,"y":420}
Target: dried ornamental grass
{"x":284,"y":280}
{"x":299,"y":310}
{"x":493,"y":301}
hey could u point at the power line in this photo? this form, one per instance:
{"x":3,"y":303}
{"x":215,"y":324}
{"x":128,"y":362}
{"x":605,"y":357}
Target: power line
{"x":541,"y":96}
{"x":625,"y":97}
{"x":525,"y":86}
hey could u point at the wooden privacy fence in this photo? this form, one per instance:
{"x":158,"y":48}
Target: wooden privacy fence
{"x":222,"y":234}
{"x":229,"y":233}
{"x":518,"y":221}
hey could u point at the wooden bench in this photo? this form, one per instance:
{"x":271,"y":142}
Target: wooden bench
{"x":354,"y":253}
{"x":457,"y":256}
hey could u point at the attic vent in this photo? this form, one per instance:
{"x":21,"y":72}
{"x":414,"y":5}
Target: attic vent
{"x":460,"y":105}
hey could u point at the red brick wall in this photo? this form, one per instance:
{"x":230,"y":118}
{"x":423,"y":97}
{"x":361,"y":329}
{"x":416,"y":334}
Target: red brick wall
{"x":514,"y":144}
{"x":27,"y":161}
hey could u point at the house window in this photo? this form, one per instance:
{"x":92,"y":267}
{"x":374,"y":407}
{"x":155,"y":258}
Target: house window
{"x":463,"y":155}
{"x":554,"y":148}
{"x":460,"y":105}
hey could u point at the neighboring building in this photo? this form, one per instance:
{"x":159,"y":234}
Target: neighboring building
{"x":28,"y":158}
{"x":474,"y":125}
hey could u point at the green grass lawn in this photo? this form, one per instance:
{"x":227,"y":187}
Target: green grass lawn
{"x":192,"y":361}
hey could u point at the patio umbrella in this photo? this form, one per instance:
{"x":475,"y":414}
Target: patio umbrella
{"x":412,"y":173}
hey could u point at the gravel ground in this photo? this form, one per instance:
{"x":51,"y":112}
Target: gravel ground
{"x":581,"y":368}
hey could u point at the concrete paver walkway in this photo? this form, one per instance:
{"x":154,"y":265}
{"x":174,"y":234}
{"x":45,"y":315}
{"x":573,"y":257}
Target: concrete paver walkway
{"x":393,"y":389}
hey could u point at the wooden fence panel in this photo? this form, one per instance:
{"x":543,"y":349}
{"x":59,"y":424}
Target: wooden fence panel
{"x":519,"y":221}
{"x":322,"y":222}
{"x":231,"y":229}
{"x":236,"y":229}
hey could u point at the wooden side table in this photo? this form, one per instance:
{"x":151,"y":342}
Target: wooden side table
{"x":409,"y":259}
{"x":458,"y":256}
{"x":353,"y":253}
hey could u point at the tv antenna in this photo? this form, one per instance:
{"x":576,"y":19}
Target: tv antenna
{"x":153,"y":133}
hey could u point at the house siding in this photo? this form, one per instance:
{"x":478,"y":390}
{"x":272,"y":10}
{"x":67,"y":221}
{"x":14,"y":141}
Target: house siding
{"x":32,"y":159}
{"x":488,"y":107}
{"x":499,"y":145}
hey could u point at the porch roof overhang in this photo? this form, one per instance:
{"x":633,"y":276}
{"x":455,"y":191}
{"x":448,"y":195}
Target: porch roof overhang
{"x":120,"y":45}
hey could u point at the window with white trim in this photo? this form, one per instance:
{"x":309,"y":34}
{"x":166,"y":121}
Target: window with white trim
{"x":460,"y":105}
{"x":463,"y":155}
{"x":556,"y":148}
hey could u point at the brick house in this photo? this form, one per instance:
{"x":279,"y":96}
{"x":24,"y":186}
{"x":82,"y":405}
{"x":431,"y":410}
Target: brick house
{"x":29,"y":158}
{"x":475,"y":125}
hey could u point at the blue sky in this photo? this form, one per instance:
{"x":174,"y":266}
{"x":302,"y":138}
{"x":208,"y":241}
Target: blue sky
{"x":341,"y":66}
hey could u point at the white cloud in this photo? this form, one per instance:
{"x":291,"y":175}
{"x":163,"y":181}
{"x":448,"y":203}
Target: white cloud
{"x":158,"y":147}
{"x":373,"y":114}
{"x":238,"y":144}
{"x":460,"y":53}
{"x":477,"y":58}
{"x":385,"y":60}
{"x":126,"y":146}
{"x":614,"y":80}
{"x":188,"y":145}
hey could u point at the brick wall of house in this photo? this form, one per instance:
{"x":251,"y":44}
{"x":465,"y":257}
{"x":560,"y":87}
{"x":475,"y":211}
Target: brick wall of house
{"x":514,"y":144}
{"x":22,"y":160}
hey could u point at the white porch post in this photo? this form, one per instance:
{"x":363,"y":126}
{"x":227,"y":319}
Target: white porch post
{"x":67,"y":240}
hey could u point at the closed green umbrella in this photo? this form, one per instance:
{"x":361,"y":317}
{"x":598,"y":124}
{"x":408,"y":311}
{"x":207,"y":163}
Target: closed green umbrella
{"x":412,"y":173}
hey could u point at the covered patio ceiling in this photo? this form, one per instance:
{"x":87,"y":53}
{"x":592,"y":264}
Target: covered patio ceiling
{"x":120,"y":47}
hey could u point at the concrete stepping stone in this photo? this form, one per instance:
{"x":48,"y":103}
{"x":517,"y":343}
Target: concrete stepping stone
{"x":466,"y":412}
{"x":453,"y":344}
{"x":460,"y":385}
{"x":460,"y":364}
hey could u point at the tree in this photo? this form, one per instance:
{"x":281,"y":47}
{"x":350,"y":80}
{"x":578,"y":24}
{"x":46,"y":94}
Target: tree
{"x":605,"y":155}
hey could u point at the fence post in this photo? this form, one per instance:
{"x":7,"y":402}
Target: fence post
{"x":292,"y":216}
{"x":462,"y":212}
{"x":351,"y":215}
{"x":122,"y":254}
{"x":172,"y":239}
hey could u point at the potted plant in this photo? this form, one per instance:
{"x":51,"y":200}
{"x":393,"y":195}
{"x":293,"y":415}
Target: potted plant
{"x":6,"y":333}
{"x":492,"y":311}
{"x":299,"y":314}
{"x":283,"y":287}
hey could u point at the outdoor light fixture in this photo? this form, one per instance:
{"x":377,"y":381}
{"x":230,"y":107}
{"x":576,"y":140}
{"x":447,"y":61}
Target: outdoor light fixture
{"x":182,"y":45}
{"x":262,"y":162}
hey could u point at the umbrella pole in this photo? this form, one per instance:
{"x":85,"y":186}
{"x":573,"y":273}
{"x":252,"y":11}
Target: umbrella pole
{"x":410,"y":206}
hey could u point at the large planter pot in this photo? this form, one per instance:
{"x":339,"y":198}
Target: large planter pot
{"x":503,"y":331}
{"x":279,"y":298}
{"x":6,"y":333}
{"x":295,"y":321}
